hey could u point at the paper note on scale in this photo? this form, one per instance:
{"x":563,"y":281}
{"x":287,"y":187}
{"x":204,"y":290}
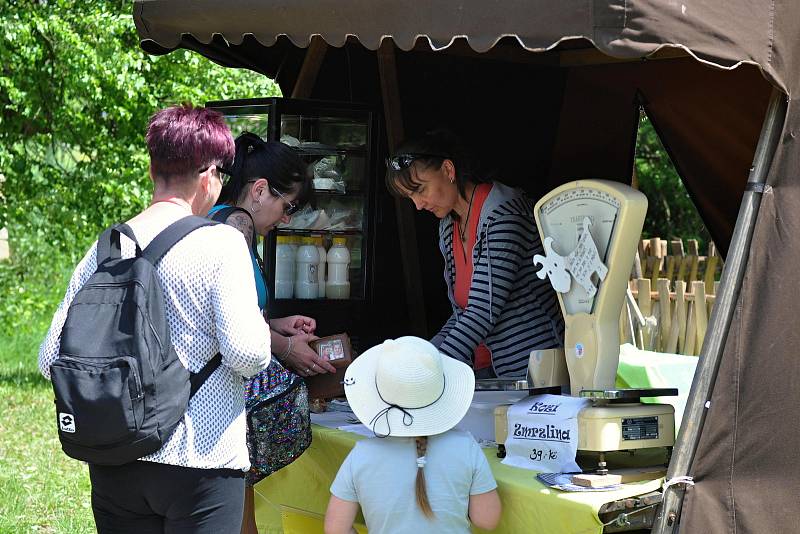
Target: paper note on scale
{"x":543,"y":433}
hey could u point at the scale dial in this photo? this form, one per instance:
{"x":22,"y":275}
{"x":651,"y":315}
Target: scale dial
{"x":562,"y":217}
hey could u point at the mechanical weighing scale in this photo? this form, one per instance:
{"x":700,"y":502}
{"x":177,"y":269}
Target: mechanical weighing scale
{"x":590,"y":231}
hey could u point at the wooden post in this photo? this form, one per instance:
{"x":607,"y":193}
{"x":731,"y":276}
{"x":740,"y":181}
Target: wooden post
{"x":691,"y":333}
{"x":652,"y":270}
{"x":671,"y":261}
{"x":701,"y":319}
{"x":683,"y":270}
{"x":406,"y":228}
{"x":680,"y":306}
{"x":665,"y":320}
{"x":646,"y":307}
{"x":694,"y":252}
{"x":711,"y":271}
{"x":315,"y":54}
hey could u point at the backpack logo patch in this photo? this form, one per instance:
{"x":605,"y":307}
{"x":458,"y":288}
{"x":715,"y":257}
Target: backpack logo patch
{"x":66,"y":422}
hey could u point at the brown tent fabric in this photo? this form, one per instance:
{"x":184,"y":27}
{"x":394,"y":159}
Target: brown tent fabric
{"x":516,"y":68}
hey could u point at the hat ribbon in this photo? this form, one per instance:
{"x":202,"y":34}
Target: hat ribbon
{"x":408,"y":419}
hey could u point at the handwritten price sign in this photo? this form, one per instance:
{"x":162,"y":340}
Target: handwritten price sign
{"x":537,"y":455}
{"x":543,"y":433}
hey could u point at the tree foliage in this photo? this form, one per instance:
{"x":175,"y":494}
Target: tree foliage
{"x":76,"y":92}
{"x":671,"y":214}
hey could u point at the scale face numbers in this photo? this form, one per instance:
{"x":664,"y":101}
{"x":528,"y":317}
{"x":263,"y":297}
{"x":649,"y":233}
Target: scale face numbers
{"x":562,"y":218}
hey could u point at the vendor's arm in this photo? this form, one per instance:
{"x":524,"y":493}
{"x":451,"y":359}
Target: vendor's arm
{"x":293,"y":325}
{"x":442,"y":334}
{"x":493,"y":276}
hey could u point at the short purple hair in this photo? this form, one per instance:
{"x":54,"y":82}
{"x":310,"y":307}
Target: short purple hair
{"x":184,"y":139}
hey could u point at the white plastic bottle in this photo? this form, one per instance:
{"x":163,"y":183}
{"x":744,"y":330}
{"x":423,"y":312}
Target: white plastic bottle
{"x":284,"y":268}
{"x":321,"y":265}
{"x":338,"y":284}
{"x":306,"y":284}
{"x":294,"y":242}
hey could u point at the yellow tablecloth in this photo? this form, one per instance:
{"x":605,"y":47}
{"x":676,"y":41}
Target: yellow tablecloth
{"x":529,"y":507}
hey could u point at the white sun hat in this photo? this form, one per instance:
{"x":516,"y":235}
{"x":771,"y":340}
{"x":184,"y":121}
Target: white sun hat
{"x":405,"y":387}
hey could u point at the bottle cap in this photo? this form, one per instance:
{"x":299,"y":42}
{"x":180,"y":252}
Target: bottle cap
{"x":339,"y":240}
{"x":284,"y":239}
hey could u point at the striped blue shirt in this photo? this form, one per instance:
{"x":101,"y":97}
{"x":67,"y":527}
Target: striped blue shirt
{"x":509,"y":308}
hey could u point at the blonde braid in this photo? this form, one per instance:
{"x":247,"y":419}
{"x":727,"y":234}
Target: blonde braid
{"x":421,"y":492}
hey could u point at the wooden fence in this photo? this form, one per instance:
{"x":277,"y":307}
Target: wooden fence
{"x":674,"y":291}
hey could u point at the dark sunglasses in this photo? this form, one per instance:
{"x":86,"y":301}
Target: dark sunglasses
{"x":223,"y":173}
{"x":404,"y":161}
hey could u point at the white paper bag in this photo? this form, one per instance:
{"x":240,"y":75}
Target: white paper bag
{"x":543,"y":433}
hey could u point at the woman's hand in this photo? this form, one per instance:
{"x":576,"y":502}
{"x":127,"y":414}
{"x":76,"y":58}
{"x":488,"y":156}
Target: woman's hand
{"x":293,"y":325}
{"x":303,"y":360}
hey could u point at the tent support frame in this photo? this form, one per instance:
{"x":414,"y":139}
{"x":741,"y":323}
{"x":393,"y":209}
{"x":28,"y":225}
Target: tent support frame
{"x":406,"y":227}
{"x":668,"y":515}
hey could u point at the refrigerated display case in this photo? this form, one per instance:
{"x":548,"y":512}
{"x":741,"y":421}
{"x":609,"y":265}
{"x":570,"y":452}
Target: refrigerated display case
{"x":337,"y":140}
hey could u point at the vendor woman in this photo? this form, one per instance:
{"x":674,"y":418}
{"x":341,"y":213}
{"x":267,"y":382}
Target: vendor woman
{"x":488,"y":237}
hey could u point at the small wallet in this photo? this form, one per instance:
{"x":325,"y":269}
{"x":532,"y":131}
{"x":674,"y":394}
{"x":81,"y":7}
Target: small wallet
{"x":339,"y":353}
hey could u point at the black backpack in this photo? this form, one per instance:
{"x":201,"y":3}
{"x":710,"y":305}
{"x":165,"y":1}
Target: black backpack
{"x":120,"y":389}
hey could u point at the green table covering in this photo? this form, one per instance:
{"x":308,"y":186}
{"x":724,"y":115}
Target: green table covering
{"x":529,"y":506}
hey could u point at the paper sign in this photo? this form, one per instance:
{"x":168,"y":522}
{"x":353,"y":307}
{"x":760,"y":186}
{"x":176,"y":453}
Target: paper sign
{"x":543,"y":433}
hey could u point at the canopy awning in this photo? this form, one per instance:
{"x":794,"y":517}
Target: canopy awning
{"x":723,"y":34}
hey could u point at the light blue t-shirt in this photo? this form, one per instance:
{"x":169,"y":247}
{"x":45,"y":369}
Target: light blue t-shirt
{"x":379,"y":474}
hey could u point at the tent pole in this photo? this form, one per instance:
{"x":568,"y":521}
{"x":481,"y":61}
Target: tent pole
{"x":668,"y":516}
{"x":406,"y":228}
{"x":311,"y":65}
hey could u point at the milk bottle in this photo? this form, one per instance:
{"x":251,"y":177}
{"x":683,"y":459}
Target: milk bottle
{"x":338,"y":284}
{"x":321,"y":265}
{"x":306,"y":283}
{"x":284,"y":268}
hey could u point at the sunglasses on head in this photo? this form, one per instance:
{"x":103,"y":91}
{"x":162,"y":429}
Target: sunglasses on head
{"x":404,"y":161}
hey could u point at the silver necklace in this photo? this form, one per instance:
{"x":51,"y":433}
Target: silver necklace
{"x":463,"y":231}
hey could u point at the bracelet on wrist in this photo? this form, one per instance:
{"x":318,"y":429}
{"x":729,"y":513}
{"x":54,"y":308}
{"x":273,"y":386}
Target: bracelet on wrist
{"x":288,"y":350}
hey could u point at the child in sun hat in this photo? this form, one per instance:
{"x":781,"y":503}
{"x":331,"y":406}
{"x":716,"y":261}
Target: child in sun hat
{"x":418,"y":474}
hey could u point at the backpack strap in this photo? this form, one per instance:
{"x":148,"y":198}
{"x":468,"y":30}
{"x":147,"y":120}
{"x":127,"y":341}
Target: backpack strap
{"x":196,"y":380}
{"x":173,"y":233}
{"x":222,"y":215}
{"x":108,"y":244}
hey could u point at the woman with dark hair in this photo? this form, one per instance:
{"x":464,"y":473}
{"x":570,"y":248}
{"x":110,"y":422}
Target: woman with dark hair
{"x":488,"y":237}
{"x":269,"y":183}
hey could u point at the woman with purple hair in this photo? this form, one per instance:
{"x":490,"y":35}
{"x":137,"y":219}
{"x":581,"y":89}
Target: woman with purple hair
{"x":195,"y":481}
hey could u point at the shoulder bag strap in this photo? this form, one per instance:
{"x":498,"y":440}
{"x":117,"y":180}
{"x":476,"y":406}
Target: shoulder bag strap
{"x":222,"y":215}
{"x":196,"y":380}
{"x":108,"y":244}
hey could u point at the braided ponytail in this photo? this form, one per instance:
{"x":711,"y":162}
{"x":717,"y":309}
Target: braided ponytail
{"x":421,"y":492}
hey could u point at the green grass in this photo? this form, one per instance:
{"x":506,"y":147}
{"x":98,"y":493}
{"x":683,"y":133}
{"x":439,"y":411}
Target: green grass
{"x":41,"y":489}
